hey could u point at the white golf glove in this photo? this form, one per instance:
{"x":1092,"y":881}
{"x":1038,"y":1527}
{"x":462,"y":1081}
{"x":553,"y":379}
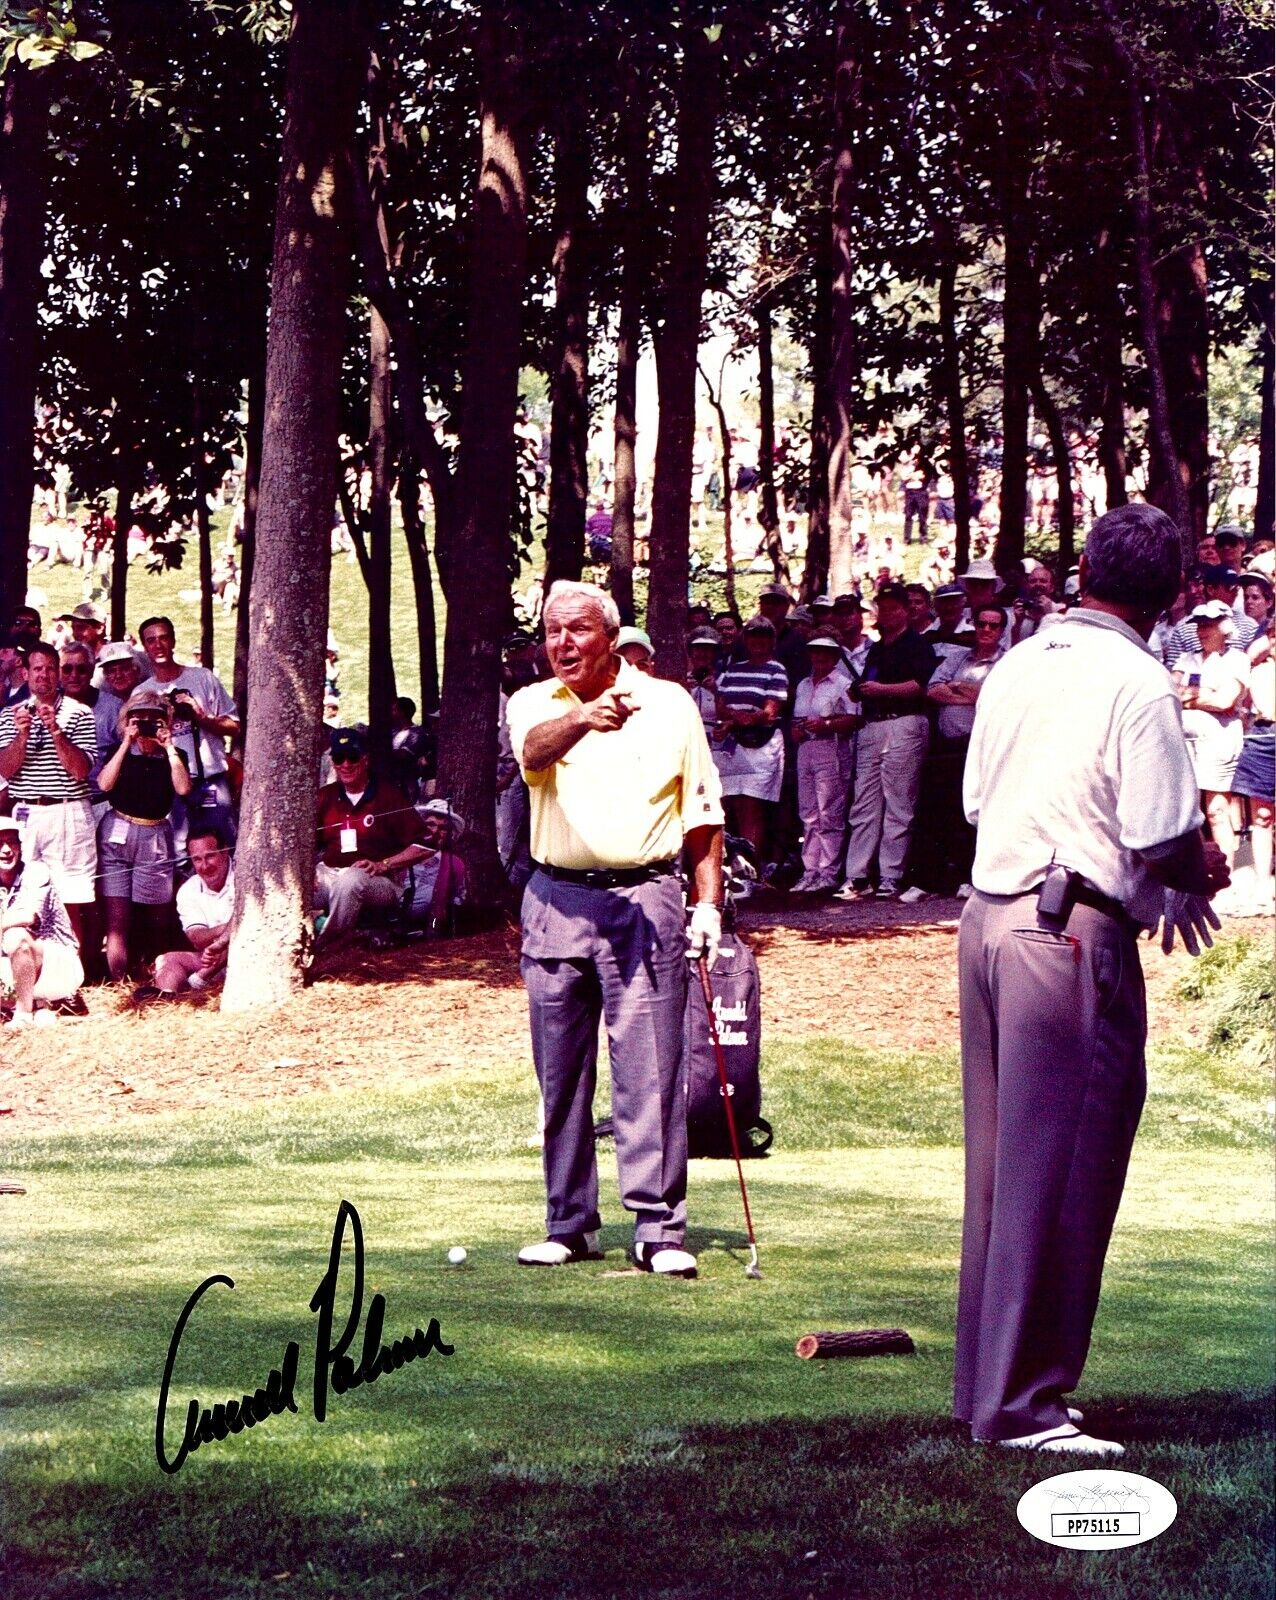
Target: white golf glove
{"x":704,"y":933}
{"x":1190,"y":914}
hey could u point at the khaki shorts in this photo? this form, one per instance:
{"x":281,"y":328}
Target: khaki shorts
{"x":65,"y":839}
{"x":61,"y":973}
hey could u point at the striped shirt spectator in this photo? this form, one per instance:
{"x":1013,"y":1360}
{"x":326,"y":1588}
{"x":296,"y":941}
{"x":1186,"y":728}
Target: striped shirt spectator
{"x":42,"y":777}
{"x":746,"y":687}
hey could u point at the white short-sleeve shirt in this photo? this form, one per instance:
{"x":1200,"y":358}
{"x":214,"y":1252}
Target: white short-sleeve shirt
{"x":1078,"y":756}
{"x":199,"y":907}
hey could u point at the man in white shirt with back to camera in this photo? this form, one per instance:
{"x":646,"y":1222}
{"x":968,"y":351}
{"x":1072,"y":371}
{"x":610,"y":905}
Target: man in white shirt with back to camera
{"x":1079,"y":780}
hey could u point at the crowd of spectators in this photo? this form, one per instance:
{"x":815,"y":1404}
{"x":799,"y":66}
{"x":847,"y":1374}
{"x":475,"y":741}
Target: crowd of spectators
{"x":118,"y":814}
{"x":840,"y":728}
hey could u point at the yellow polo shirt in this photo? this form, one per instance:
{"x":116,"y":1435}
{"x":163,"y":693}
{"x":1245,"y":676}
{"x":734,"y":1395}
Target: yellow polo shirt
{"x":624,"y":798}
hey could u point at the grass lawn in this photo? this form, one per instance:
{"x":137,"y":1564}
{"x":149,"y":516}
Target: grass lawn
{"x":598,"y":1433}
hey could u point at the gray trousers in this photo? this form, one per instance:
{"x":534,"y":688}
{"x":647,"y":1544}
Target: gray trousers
{"x":1053,"y":1027}
{"x":619,"y":954}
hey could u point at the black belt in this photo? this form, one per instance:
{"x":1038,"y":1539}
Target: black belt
{"x":50,"y":800}
{"x":609,"y":877}
{"x":890,"y":716}
{"x":1085,"y":894}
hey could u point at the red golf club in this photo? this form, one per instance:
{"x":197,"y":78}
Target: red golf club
{"x":702,"y":966}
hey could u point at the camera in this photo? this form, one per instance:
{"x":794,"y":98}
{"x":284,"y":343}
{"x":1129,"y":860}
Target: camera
{"x":148,"y":722}
{"x":181,"y":706}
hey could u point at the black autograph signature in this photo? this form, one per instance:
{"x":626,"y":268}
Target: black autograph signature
{"x":334,"y":1368}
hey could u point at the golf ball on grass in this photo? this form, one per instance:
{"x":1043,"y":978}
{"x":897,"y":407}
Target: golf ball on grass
{"x":457,"y":1255}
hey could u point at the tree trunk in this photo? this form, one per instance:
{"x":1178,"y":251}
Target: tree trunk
{"x":950,"y":382}
{"x":768,"y":502}
{"x":128,"y":484}
{"x":274,"y":876}
{"x":199,"y":471}
{"x":1160,"y":431}
{"x":422,"y":583}
{"x":1048,"y":411}
{"x":569,"y":422}
{"x":1265,"y":502}
{"x":633,"y":280}
{"x":677,"y":344}
{"x":724,"y":438}
{"x":380,"y":639}
{"x":843,"y":367}
{"x":1110,"y":317}
{"x":1182,"y":313}
{"x":248,"y":532}
{"x":479,"y":610}
{"x":1020,"y":323}
{"x":23,"y":196}
{"x":815,"y":572}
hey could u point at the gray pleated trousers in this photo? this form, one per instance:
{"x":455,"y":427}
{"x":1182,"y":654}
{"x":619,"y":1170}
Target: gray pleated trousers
{"x":619,"y":954}
{"x":1053,"y":1028}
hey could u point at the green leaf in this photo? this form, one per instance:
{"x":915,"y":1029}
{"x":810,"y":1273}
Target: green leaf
{"x":84,"y":50}
{"x":713,"y":32}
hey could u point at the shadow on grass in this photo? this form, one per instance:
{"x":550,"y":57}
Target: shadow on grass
{"x":888,"y":1508}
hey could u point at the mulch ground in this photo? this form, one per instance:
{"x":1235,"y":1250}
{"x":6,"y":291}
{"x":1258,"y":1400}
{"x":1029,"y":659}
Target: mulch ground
{"x":880,"y":975}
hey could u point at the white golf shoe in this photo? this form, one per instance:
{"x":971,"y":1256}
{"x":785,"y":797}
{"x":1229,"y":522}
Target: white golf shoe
{"x":561,"y":1252}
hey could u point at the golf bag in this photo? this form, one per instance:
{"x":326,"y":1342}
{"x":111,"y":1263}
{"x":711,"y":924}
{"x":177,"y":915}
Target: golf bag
{"x":734,"y":980}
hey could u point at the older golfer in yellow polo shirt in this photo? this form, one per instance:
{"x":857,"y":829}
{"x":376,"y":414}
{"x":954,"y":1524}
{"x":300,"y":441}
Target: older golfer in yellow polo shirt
{"x":621,"y":780}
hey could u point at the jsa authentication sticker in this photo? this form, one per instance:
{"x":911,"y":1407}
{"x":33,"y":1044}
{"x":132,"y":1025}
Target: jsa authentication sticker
{"x":1096,"y":1510}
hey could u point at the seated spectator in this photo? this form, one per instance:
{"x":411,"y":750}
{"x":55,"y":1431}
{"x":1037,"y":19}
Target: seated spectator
{"x":634,"y":645}
{"x":39,"y":956}
{"x":205,"y":908}
{"x":135,"y":839}
{"x":436,"y":880}
{"x":367,"y":834}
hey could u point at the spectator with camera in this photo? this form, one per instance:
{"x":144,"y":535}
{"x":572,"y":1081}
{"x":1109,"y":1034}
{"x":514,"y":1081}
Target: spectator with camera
{"x":203,"y":717}
{"x":48,"y":745}
{"x":141,"y":780}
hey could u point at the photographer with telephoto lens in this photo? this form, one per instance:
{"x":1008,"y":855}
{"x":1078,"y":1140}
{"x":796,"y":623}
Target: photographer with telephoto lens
{"x":135,"y":839}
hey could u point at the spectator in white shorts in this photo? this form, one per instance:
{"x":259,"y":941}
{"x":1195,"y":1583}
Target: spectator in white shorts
{"x":206,"y":908}
{"x":38,"y":953}
{"x":135,"y":839}
{"x":47,"y":748}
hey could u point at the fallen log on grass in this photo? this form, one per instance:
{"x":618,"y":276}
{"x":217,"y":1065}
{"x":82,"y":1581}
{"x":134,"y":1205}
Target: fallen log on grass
{"x":861,"y":1342}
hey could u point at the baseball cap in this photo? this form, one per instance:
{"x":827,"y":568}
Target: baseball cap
{"x":10,"y":825}
{"x":848,"y":602}
{"x":980,"y":569}
{"x":759,"y":625}
{"x":823,"y":641}
{"x":347,"y":744}
{"x":1211,"y":611}
{"x":634,"y":636}
{"x":1229,"y":533}
{"x":705,"y":636}
{"x":893,"y":591}
{"x":774,"y":591}
{"x":1220,"y":572}
{"x":823,"y":602}
{"x":117,"y":650}
{"x":1072,"y":586}
{"x":950,"y":591}
{"x":801,"y":614}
